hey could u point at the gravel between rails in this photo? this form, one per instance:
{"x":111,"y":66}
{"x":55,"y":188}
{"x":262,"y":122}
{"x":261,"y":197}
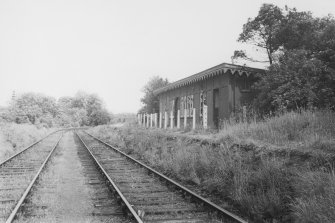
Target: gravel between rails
{"x":71,"y":190}
{"x":147,"y":194}
{"x":16,"y":174}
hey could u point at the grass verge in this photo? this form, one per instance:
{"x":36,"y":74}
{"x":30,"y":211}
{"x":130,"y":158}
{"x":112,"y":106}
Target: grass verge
{"x":277,"y":170}
{"x":14,"y":137}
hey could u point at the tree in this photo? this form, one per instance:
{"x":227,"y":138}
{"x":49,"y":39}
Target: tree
{"x":83,"y":109}
{"x":301,"y":52}
{"x":297,"y":30}
{"x":296,"y":81}
{"x":100,"y":117}
{"x":277,"y":30}
{"x":262,"y":32}
{"x":324,"y":47}
{"x":300,"y":30}
{"x":150,"y":100}
{"x":34,"y":108}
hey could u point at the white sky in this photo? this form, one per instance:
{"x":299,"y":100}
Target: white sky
{"x":112,"y":48}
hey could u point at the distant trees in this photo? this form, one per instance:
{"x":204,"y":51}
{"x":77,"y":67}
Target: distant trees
{"x":92,"y":109}
{"x":301,"y":52}
{"x":82,"y":109}
{"x":33,"y":108}
{"x":150,"y":100}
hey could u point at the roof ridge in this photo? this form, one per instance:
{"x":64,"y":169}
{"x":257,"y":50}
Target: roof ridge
{"x":202,"y":74}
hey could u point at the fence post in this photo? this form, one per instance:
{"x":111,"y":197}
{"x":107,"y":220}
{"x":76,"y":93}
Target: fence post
{"x":165,"y":120}
{"x":193,"y":126}
{"x":178,"y":119}
{"x":185,"y":118}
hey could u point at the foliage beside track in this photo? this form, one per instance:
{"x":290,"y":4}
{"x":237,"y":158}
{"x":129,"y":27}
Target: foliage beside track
{"x":32,"y":108}
{"x":280,"y":169}
{"x":14,"y":137}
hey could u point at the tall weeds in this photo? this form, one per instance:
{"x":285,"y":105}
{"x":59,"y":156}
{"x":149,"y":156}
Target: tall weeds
{"x":14,"y":137}
{"x":271,"y":181}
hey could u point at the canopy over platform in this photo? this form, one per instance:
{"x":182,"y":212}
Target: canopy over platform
{"x":217,"y":70}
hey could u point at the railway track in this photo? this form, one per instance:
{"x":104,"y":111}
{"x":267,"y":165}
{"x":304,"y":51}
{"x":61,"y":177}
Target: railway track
{"x":19,"y":172}
{"x":145,"y":194}
{"x":71,"y":189}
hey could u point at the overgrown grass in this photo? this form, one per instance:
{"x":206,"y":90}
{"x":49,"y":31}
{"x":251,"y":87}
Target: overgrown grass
{"x":276,"y":170}
{"x":290,"y":129}
{"x":14,"y":137}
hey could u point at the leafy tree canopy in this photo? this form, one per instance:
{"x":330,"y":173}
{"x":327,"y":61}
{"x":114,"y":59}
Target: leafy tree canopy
{"x":297,"y":81}
{"x":150,"y":101}
{"x":262,"y":31}
{"x":276,"y":30}
{"x":301,"y":52}
{"x":82,"y":109}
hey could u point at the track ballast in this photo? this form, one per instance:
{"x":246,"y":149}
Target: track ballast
{"x":148,"y":195}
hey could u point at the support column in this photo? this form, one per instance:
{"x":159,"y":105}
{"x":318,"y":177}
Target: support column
{"x":151,"y":119}
{"x":193,"y":126}
{"x":171,"y":120}
{"x":178,"y":119}
{"x":144,"y":123}
{"x":156,"y":120}
{"x":185,"y":118}
{"x":141,"y":118}
{"x":160,"y":120}
{"x":165,"y":120}
{"x":148,"y":120}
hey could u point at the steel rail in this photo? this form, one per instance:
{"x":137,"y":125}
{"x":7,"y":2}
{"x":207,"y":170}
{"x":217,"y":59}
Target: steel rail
{"x":23,"y":197}
{"x":18,"y":153}
{"x":34,"y":143}
{"x":210,"y":204}
{"x":115,"y":188}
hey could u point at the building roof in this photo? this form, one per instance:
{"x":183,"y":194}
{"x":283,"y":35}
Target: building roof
{"x":213,"y":71}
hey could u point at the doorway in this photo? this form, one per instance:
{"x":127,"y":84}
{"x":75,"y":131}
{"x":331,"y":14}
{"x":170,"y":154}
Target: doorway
{"x":216,"y":107}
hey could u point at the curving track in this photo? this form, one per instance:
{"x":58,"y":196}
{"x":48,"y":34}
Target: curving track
{"x":147,"y":195}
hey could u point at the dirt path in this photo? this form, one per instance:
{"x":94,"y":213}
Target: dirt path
{"x":71,"y":190}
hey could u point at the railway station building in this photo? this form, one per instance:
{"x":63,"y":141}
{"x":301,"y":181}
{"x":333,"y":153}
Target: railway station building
{"x":205,"y":98}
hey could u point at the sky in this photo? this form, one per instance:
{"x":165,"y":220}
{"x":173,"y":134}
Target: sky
{"x":113,"y":47}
